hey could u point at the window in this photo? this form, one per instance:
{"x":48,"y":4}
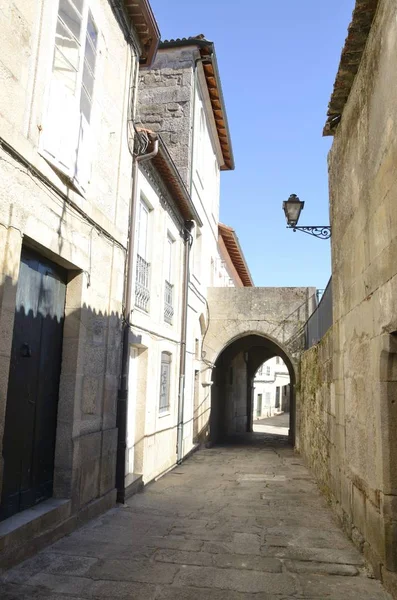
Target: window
{"x":66,"y":132}
{"x":201,"y":147}
{"x":267,"y":370}
{"x":197,"y":252}
{"x":212,"y":272}
{"x":277,"y":404}
{"x":215,"y":191}
{"x":169,"y":288}
{"x":164,"y":404}
{"x":142,"y":293}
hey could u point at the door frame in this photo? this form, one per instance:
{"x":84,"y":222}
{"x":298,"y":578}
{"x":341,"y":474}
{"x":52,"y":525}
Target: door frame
{"x":67,"y":457}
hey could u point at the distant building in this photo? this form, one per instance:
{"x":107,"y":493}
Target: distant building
{"x":271,"y":389}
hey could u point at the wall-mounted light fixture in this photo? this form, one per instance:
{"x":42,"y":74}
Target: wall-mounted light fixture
{"x":292,"y":209}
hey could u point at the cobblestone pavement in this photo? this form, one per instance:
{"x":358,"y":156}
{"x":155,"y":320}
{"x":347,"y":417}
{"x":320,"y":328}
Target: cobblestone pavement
{"x":243,"y":521}
{"x":278,"y":424}
{"x":281,"y":420}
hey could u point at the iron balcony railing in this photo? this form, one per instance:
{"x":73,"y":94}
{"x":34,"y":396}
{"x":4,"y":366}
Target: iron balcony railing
{"x":142,"y":293}
{"x":168,"y":302}
{"x":321,"y":319}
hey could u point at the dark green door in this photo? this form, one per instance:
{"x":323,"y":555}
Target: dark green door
{"x":33,"y":384}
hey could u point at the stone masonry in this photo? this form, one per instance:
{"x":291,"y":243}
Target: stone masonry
{"x":361,"y":419}
{"x":165,"y":103}
{"x":276,"y":313}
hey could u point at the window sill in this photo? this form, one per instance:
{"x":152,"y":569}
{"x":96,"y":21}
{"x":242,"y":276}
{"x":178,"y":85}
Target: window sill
{"x":142,"y":311}
{"x":164,"y":414}
{"x":63,"y":173}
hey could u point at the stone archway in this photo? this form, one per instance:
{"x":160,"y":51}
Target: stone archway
{"x":232,"y":390}
{"x":248,"y":325}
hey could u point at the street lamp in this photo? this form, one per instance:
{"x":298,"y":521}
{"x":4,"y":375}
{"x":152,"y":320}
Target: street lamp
{"x":292,"y":209}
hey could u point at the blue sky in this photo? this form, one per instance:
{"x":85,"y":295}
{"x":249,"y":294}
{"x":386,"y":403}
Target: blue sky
{"x":277,"y":62}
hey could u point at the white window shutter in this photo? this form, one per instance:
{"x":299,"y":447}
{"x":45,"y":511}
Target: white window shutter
{"x":84,"y":151}
{"x":60,"y":127}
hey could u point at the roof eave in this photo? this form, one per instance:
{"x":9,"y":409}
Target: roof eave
{"x":228,"y":233}
{"x":352,"y":53}
{"x":174,"y":183}
{"x":145,"y":25}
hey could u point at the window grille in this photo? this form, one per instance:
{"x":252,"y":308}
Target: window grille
{"x":142,"y":294}
{"x":168,"y":302}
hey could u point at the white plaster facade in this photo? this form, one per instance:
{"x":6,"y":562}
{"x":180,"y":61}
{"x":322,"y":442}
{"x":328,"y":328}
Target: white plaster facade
{"x":205,"y":190}
{"x":271,"y":388}
{"x":151,"y":431}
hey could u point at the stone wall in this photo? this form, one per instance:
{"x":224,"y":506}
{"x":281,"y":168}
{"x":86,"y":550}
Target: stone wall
{"x":166,"y":103}
{"x":316,"y":411}
{"x":363,"y":191}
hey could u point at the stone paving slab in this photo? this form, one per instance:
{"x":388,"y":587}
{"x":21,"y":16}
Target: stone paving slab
{"x":238,"y":522}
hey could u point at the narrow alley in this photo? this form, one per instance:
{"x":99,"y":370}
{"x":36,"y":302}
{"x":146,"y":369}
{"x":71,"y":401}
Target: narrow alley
{"x":234,"y":522}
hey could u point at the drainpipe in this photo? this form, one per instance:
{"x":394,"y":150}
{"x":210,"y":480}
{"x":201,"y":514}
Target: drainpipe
{"x":122,"y":399}
{"x":188,"y":240}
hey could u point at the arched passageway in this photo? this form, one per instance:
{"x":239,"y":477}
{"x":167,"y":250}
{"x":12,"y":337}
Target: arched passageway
{"x":232,"y":385}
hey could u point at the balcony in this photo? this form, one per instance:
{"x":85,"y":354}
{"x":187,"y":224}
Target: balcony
{"x":142,"y":294}
{"x":168,"y":302}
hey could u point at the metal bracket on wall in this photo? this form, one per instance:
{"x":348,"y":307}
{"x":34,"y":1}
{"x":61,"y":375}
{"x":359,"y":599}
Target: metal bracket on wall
{"x":323,"y":232}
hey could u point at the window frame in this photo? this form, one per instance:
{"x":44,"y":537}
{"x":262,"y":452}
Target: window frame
{"x":75,"y":142}
{"x":140,"y":298}
{"x":168,"y":280}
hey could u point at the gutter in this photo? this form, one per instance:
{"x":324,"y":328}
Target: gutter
{"x":122,"y":398}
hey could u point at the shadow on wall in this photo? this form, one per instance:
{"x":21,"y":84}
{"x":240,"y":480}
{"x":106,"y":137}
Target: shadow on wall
{"x":201,"y":420}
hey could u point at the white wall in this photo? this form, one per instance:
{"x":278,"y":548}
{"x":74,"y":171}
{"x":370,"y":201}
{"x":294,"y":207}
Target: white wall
{"x":271,"y":375}
{"x":155,"y":432}
{"x":205,"y":259}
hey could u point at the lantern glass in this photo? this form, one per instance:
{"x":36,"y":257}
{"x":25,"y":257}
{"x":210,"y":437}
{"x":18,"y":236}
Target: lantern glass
{"x":292,"y":209}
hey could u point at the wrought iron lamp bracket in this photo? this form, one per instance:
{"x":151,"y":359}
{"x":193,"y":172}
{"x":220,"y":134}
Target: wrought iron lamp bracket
{"x":320,"y":231}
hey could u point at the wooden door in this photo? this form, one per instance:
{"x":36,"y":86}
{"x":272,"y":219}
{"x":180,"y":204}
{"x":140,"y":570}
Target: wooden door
{"x":32,"y":399}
